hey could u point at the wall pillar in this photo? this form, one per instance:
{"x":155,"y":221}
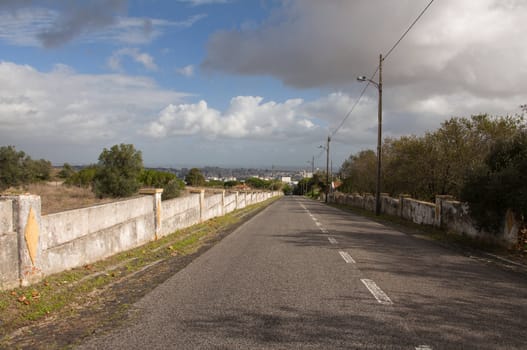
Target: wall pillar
{"x":156,"y":194}
{"x":9,"y":267}
{"x":383,"y":200}
{"x":439,"y":209}
{"x":400,"y":208}
{"x":222,"y":192}
{"x":27,"y":225}
{"x":201,"y":204}
{"x":236,"y":198}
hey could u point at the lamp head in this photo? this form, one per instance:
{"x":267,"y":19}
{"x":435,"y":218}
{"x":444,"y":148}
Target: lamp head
{"x":362,"y":78}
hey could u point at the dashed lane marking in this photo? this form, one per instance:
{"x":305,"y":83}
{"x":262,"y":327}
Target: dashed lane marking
{"x":423,"y":347}
{"x":377,"y":292}
{"x":332,"y":240}
{"x":347,"y":258}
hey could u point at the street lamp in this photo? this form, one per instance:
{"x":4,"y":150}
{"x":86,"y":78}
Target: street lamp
{"x":379,"y":135}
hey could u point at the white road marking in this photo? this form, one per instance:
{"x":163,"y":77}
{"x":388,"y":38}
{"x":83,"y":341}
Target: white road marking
{"x":423,"y":347}
{"x":323,"y":230}
{"x":347,"y":258}
{"x":332,"y":240}
{"x":318,"y":223}
{"x":377,"y":292}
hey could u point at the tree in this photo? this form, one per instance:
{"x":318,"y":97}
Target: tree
{"x":358,"y":172}
{"x":255,"y":182}
{"x":37,"y":170}
{"x":287,"y":189}
{"x":436,"y":163}
{"x":499,"y":184}
{"x":11,"y":167}
{"x":118,"y":171}
{"x":82,"y":178}
{"x":17,"y":168}
{"x":170,"y":184}
{"x":195,"y":178}
{"x":231,"y":184}
{"x":66,"y":172}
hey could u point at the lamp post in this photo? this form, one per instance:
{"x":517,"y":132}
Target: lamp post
{"x":379,"y":136}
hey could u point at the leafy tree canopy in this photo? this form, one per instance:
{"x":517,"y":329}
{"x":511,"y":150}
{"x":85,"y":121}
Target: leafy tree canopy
{"x":170,"y":184}
{"x":499,"y":184}
{"x":195,"y":178}
{"x":118,"y":171}
{"x":435,"y":163}
{"x":17,"y":168}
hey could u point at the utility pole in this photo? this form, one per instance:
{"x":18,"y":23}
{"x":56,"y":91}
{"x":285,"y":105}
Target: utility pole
{"x":312,"y":174}
{"x":327,"y":169}
{"x":379,"y":145}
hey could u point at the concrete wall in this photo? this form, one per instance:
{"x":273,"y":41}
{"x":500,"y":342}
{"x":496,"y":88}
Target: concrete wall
{"x":8,"y":246}
{"x":33,"y":246}
{"x":213,"y":206}
{"x":179,"y":213}
{"x":230,"y":202}
{"x":418,"y":211}
{"x":444,"y":213}
{"x":79,"y":237}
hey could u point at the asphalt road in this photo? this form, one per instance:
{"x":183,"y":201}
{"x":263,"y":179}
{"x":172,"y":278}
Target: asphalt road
{"x":301,"y":275}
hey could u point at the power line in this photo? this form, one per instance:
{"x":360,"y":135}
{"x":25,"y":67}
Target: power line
{"x":407,"y":30}
{"x":355,"y":104}
{"x":377,"y":69}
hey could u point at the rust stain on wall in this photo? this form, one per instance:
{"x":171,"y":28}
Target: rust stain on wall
{"x":31,"y":234}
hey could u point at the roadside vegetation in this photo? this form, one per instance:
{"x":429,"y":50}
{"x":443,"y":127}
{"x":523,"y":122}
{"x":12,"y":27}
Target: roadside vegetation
{"x":17,"y":168}
{"x":119,"y":173}
{"x":481,"y":160}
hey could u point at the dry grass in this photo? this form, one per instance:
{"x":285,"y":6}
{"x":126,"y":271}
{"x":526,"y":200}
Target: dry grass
{"x":57,"y":197}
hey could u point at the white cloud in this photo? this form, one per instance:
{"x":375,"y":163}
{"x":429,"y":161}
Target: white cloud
{"x":246,"y":117}
{"x":63,"y":106}
{"x":186,"y":71}
{"x":114,"y":62}
{"x":461,"y":58}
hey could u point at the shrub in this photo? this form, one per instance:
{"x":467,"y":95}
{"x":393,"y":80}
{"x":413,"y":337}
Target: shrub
{"x":500,"y":184}
{"x":118,"y":171}
{"x":170,"y":184}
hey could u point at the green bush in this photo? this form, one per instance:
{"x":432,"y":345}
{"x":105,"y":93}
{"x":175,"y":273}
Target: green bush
{"x":17,"y":168}
{"x":500,"y":184}
{"x":118,"y":171}
{"x":66,"y":172}
{"x":195,"y":178}
{"x":172,"y":189}
{"x":82,"y":178}
{"x":170,"y":184}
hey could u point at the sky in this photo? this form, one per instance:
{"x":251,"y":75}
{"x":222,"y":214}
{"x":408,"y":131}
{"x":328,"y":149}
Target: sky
{"x":248,"y":83}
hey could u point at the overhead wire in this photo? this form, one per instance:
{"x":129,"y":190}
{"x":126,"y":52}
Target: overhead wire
{"x":377,"y":69}
{"x":407,"y":30}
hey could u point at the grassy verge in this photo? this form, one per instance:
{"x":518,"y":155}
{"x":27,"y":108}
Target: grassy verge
{"x":463,"y":242}
{"x":70,"y":293}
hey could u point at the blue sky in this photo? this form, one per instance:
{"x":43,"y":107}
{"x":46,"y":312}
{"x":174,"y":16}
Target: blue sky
{"x":246,"y":83}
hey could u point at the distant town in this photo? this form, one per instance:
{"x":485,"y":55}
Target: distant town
{"x":240,"y":174}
